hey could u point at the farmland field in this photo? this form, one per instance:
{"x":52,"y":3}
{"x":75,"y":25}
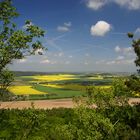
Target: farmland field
{"x":55,"y":86}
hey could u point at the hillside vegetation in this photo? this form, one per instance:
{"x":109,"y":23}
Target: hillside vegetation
{"x":112,"y":119}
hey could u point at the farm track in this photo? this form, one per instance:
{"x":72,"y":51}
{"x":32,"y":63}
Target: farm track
{"x":38,"y":104}
{"x":47,"y":104}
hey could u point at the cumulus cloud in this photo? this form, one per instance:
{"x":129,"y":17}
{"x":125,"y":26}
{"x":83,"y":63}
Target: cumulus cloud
{"x":100,"y":28}
{"x":65,"y":27}
{"x":120,"y":58}
{"x":22,"y":60}
{"x":62,"y":29}
{"x":46,"y":61}
{"x":49,"y":62}
{"x":126,"y":51}
{"x":137,"y":31}
{"x":117,"y":49}
{"x":96,"y":4}
{"x":129,"y":4}
{"x":68,"y":24}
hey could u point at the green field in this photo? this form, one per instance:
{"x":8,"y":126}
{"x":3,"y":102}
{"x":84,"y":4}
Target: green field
{"x":52,"y":86}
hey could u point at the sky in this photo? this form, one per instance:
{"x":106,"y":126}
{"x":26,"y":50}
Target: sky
{"x":81,"y":35}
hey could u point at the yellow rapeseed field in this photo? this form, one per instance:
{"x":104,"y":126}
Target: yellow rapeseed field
{"x":51,"y":78}
{"x":51,"y":85}
{"x":24,"y":90}
{"x":104,"y":87}
{"x":96,"y":78}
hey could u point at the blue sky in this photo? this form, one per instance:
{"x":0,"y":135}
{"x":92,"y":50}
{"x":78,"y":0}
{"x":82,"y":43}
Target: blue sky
{"x":81,"y":35}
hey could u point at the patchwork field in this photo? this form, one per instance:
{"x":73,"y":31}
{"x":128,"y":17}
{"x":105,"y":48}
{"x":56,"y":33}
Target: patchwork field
{"x":55,"y":86}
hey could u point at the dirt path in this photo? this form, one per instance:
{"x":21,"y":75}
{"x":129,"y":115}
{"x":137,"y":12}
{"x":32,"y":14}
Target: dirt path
{"x":38,"y":104}
{"x":47,"y":104}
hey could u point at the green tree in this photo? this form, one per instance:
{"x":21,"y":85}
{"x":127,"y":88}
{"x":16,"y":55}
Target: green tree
{"x":134,"y":81}
{"x":6,"y":77}
{"x":136,"y":47}
{"x":16,"y":43}
{"x":106,"y":114}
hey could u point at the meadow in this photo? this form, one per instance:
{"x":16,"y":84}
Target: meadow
{"x":56,"y":86}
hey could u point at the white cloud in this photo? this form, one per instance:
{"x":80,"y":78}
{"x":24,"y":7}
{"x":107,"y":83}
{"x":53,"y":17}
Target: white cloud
{"x":137,"y":31}
{"x":120,"y":62}
{"x":100,"y":28}
{"x":110,"y":62}
{"x":22,"y":60}
{"x":128,"y":50}
{"x":120,"y":58}
{"x":65,"y":27}
{"x":117,"y":49}
{"x":125,"y":51}
{"x":46,"y":61}
{"x":68,"y":24}
{"x":130,"y":4}
{"x":62,"y":29}
{"x":98,"y":4}
{"x":128,"y":61}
